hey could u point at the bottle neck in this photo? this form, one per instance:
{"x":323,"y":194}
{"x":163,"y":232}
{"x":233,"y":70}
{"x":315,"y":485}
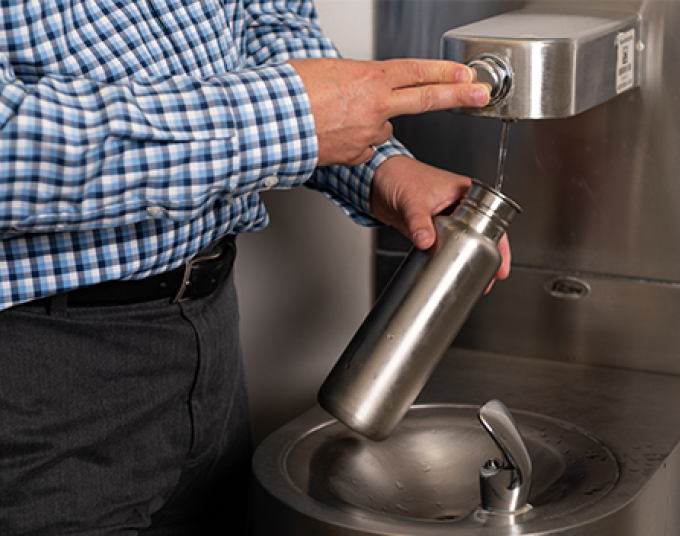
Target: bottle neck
{"x":486,"y":210}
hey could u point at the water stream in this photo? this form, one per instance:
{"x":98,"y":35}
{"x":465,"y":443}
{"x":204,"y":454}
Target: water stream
{"x":503,"y":154}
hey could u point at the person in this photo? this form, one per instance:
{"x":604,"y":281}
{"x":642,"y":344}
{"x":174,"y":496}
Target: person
{"x":134,"y":140}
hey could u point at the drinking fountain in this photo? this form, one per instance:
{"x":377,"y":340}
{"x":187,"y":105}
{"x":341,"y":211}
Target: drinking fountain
{"x":553,"y":413}
{"x":546,"y":63}
{"x":505,"y":482}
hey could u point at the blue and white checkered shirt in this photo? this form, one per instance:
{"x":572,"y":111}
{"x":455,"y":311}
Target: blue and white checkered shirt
{"x":133,"y":133}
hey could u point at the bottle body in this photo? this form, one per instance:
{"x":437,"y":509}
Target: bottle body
{"x":401,"y":341}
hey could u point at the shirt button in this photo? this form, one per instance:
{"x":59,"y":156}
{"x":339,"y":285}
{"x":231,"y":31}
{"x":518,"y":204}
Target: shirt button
{"x":271,"y":181}
{"x":154,"y":211}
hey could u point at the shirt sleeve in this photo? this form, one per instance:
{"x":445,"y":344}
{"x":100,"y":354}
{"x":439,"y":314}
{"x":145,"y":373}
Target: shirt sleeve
{"x":79,"y":154}
{"x":281,"y":30}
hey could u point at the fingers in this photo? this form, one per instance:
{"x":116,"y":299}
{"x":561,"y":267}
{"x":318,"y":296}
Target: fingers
{"x":425,"y":85}
{"x":506,"y":257}
{"x":412,"y":73}
{"x":416,"y":100}
{"x":353,"y":101}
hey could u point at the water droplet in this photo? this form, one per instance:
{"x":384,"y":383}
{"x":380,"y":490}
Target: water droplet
{"x":399,"y":485}
{"x":425,"y":468}
{"x":401,"y":508}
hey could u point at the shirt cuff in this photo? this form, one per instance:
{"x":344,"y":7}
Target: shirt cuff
{"x":349,"y":187}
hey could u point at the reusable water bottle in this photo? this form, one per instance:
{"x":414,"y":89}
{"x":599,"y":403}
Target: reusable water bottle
{"x":417,"y":317}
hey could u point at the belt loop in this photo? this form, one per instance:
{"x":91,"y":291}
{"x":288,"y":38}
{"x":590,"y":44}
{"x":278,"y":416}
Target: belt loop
{"x":58,"y":306}
{"x":186,"y":280}
{"x":179,"y":297}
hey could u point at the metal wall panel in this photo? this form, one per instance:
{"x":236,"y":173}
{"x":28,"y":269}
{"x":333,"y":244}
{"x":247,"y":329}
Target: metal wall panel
{"x":600,"y":194}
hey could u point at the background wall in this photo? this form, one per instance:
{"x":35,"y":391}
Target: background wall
{"x":304,"y":282}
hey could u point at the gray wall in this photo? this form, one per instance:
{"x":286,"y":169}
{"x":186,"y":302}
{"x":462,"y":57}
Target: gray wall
{"x":304,"y":282}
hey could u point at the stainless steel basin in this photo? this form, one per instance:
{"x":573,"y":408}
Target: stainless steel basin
{"x":426,"y":473}
{"x":429,"y":469}
{"x":604,"y":443}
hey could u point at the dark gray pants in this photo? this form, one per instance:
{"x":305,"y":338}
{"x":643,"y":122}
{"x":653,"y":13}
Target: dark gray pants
{"x":124,"y":420}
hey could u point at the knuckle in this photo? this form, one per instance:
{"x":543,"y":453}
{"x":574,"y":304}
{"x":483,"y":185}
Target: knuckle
{"x":382,"y":111}
{"x":389,"y":130}
{"x":386,"y":133}
{"x":418,"y":73}
{"x":427,"y":99}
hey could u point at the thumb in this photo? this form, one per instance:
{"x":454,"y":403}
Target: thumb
{"x":421,"y":231}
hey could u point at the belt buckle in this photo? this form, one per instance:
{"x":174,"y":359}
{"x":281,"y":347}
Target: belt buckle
{"x":179,"y":297}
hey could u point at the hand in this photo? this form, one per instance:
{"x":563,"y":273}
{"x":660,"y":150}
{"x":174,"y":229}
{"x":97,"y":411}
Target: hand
{"x":353,"y":101}
{"x":407,"y":194}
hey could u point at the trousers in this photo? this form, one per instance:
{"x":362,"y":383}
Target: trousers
{"x":124,"y":420}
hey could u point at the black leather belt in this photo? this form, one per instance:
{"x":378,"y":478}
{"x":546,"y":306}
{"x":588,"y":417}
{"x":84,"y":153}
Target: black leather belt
{"x":198,"y":278}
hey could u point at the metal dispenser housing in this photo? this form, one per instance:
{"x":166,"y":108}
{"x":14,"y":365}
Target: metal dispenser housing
{"x":546,"y":63}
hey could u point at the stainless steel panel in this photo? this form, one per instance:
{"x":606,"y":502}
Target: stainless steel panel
{"x":600,"y":194}
{"x":598,"y":189}
{"x":579,"y":318}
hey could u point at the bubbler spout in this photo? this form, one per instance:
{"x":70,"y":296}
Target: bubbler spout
{"x":504,"y":484}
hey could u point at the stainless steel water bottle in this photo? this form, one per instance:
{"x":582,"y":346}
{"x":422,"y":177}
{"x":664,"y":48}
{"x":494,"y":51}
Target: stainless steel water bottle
{"x":401,"y":341}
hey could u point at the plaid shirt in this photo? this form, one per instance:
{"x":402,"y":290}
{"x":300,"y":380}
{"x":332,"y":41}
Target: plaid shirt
{"x":133,"y":133}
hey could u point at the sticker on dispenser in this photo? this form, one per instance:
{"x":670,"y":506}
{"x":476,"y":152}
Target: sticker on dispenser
{"x":625,"y":62}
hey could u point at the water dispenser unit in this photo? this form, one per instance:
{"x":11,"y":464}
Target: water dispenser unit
{"x":545,"y":64}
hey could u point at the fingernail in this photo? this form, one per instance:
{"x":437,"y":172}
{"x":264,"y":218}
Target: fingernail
{"x":420,"y":239}
{"x":463,"y":76}
{"x":481,"y":96}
